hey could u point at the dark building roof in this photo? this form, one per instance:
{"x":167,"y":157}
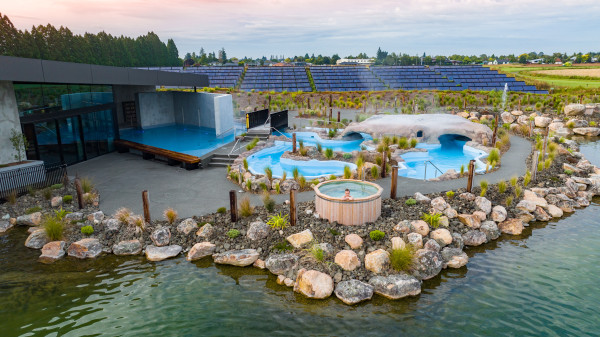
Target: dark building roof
{"x":18,"y":69}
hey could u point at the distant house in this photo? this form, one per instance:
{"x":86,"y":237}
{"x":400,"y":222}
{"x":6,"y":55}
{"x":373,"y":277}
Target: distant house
{"x":280,"y":64}
{"x":455,"y":62}
{"x":536,"y":61}
{"x":299,"y":64}
{"x":355,"y":61}
{"x":503,"y":61}
{"x":557,"y":61}
{"x":594,"y":59}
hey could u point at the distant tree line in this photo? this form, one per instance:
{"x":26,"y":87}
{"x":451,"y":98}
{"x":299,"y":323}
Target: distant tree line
{"x":49,"y":43}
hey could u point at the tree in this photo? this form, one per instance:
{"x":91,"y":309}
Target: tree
{"x":172,"y":53}
{"x":222,"y":55}
{"x":523,"y":58}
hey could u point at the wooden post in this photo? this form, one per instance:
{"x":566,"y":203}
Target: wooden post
{"x":294,"y":142}
{"x":330,"y":114}
{"x":233,"y":205}
{"x":293,"y":216}
{"x":146,"y":205}
{"x":471,"y":173}
{"x":383,"y":164}
{"x":309,"y":102}
{"x":531,"y":127}
{"x":339,"y":112}
{"x":79,"y":193}
{"x":534,"y":165}
{"x":495,"y":132}
{"x":519,"y":105}
{"x":394,"y":182}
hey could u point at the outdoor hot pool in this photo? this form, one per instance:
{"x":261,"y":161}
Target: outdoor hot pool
{"x":364,"y":207}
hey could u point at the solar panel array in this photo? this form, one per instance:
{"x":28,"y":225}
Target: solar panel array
{"x":352,"y":78}
{"x":413,"y":78}
{"x":222,"y":77}
{"x":276,"y":79}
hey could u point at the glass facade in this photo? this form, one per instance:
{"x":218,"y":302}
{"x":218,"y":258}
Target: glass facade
{"x":58,"y":134}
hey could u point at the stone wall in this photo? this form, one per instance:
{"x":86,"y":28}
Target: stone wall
{"x":9,"y":120}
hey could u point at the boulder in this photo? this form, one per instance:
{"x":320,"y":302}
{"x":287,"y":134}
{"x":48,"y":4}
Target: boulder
{"x":5,"y":225}
{"x":523,"y":120}
{"x":469,"y":220}
{"x":442,"y":236}
{"x":377,"y":261}
{"x":420,"y":226}
{"x":578,"y":123}
{"x":398,"y":243}
{"x":313,"y":284}
{"x":529,"y":195}
{"x":154,"y":253}
{"x":450,"y":213}
{"x":200,"y":250}
{"x":432,"y":245}
{"x":481,"y":215}
{"x":439,"y":204}
{"x":415,"y":240}
{"x":37,"y":239}
{"x":396,"y":286}
{"x":354,"y":241}
{"x":474,"y":238}
{"x":574,"y":109}
{"x":507,"y":117}
{"x":467,"y":196}
{"x":403,"y":227}
{"x":112,"y":227}
{"x":187,"y":226}
{"x":483,"y":204}
{"x":426,"y":264}
{"x":457,"y":241}
{"x":96,"y":217}
{"x":499,"y":213}
{"x":490,"y":229}
{"x":421,"y":198}
{"x":516,"y":113}
{"x":588,"y":132}
{"x":257,"y":230}
{"x":526,"y":217}
{"x":33,"y":219}
{"x":541,"y":215}
{"x":129,"y":247}
{"x":347,"y":259}
{"x":353,"y":291}
{"x":458,"y":261}
{"x":56,"y":201}
{"x":542,"y":122}
{"x":85,"y":249}
{"x":511,"y":226}
{"x":240,"y":258}
{"x":526,"y":206}
{"x":75,"y":216}
{"x":298,"y":240}
{"x":260,"y":264}
{"x":554,"y":211}
{"x":161,"y":236}
{"x":52,"y":251}
{"x":555,"y":126}
{"x":205,"y":232}
{"x":280,"y":264}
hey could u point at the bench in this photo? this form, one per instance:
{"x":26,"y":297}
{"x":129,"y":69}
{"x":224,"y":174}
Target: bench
{"x":149,"y":152}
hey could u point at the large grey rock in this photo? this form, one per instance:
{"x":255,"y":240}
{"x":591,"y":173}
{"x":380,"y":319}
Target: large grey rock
{"x":507,"y":117}
{"x":490,"y":229}
{"x":200,"y":250}
{"x":470,"y":220}
{"x":52,"y":251}
{"x":474,"y":238}
{"x":280,"y":264}
{"x":396,"y":286}
{"x":432,"y":126}
{"x":588,"y":132}
{"x":240,"y":258}
{"x":187,"y":226}
{"x":205,"y":231}
{"x":529,"y":195}
{"x":154,"y":253}
{"x":96,"y":217}
{"x":161,"y":236}
{"x":457,"y":241}
{"x":299,"y":240}
{"x":432,"y":245}
{"x":526,"y":206}
{"x":257,"y":230}
{"x":541,"y":215}
{"x":442,"y":236}
{"x":129,"y":247}
{"x":483,"y":204}
{"x":511,"y":226}
{"x":347,"y":259}
{"x":5,"y":225}
{"x":33,"y":219}
{"x":458,"y":261}
{"x":75,"y":216}
{"x":499,"y":213}
{"x":439,"y":204}
{"x":37,"y":239}
{"x":415,"y":240}
{"x":421,"y":198}
{"x":574,"y":109}
{"x":377,"y":261}
{"x":85,"y":249}
{"x":426,"y":264}
{"x":542,"y":122}
{"x":313,"y":284}
{"x":448,"y":252}
{"x":353,"y":291}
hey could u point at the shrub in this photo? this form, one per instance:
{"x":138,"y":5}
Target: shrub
{"x":317,"y":252}
{"x":547,"y":163}
{"x":295,"y":173}
{"x":89,"y":198}
{"x":246,"y":209}
{"x":138,"y":221}
{"x":376,"y":235}
{"x":228,"y":169}
{"x":319,"y":147}
{"x":403,"y":143}
{"x":33,"y":209}
{"x":331,"y":133}
{"x":86,"y":185}
{"x":518,"y":191}
{"x":379,"y":160}
{"x":568,"y":172}
{"x":334,"y":232}
{"x":123,"y":214}
{"x":31,"y":191}
{"x":347,"y":156}
{"x":278,"y":221}
{"x":222,"y":210}
{"x":433,"y":219}
{"x":483,"y":192}
{"x":67,"y":199}
{"x":401,"y":259}
{"x":277,"y":188}
{"x":60,"y":213}
{"x":53,"y":226}
{"x":540,"y":166}
{"x":245,"y":164}
{"x":513,"y":181}
{"x":283,"y":176}
{"x":59,"y":186}
{"x":593,"y":123}
{"x":347,"y":172}
{"x":283,"y":246}
{"x":303,"y":151}
{"x":526,"y":178}
{"x":233,"y":176}
{"x":508,"y":201}
{"x":252,"y":144}
{"x":494,"y":156}
{"x":46,"y":192}
{"x":302,"y":182}
{"x":328,"y":153}
{"x":483,"y":184}
{"x":332,"y":177}
{"x":170,"y":215}
{"x":233,"y":233}
{"x":410,"y":202}
{"x":268,"y":202}
{"x":502,"y":186}
{"x":450,"y":194}
{"x":87,"y":230}
{"x":413,"y":142}
{"x":268,"y":172}
{"x":462,"y":170}
{"x":248,"y":184}
{"x":263,"y":186}
{"x":374,"y":172}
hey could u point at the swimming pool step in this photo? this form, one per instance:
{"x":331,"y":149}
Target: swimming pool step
{"x":221,"y":160}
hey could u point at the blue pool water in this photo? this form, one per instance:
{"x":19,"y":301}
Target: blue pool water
{"x":188,"y":139}
{"x":449,"y":155}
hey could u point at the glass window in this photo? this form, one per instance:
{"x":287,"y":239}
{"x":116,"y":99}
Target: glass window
{"x":30,"y":98}
{"x":55,"y":97}
{"x":47,"y":139}
{"x":71,"y":140}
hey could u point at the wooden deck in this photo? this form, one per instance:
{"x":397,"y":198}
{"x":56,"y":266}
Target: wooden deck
{"x":189,"y":162}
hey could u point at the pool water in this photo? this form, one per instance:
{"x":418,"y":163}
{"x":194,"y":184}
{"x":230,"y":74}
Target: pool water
{"x":451,"y":154}
{"x":337,"y":189}
{"x":188,"y":139}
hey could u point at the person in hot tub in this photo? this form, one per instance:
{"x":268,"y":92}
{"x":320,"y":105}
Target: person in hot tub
{"x":347,"y":195}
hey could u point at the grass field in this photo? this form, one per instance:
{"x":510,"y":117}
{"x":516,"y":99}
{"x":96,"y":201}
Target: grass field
{"x":585,"y":76}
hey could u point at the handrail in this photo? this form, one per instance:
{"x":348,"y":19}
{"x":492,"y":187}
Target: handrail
{"x":281,"y":133}
{"x":233,"y":148}
{"x":436,"y":168}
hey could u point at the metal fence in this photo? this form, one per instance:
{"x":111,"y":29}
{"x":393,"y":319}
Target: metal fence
{"x":256,"y":118}
{"x":20,"y":180}
{"x":279,"y":120}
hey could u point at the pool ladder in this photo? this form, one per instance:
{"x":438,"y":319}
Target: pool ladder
{"x":435,"y":167}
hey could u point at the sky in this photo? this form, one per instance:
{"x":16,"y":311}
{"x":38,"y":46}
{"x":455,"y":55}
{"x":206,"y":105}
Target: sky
{"x":279,"y":27}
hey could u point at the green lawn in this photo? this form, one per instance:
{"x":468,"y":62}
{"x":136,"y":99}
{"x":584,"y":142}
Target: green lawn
{"x":525,"y":73}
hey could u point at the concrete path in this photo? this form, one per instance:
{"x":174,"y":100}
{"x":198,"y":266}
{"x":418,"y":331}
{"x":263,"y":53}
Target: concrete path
{"x":121,"y":177}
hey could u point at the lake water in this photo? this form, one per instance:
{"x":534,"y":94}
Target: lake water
{"x":542,"y":283}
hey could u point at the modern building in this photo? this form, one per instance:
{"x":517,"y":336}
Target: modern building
{"x":71,"y":112}
{"x":355,"y":61}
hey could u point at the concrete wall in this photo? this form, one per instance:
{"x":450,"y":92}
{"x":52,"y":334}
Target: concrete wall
{"x":9,"y":120}
{"x":155,"y":109}
{"x":223,"y":114}
{"x":187,"y":107}
{"x":125,"y":93}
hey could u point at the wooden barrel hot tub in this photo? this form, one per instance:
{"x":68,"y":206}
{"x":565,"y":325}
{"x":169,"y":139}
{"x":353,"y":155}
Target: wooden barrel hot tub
{"x":365,"y":206}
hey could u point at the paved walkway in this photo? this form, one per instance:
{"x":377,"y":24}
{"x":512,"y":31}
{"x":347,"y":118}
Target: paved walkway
{"x":121,"y":177}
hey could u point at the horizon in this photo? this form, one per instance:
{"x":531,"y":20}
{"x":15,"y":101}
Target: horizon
{"x":272,"y":27}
